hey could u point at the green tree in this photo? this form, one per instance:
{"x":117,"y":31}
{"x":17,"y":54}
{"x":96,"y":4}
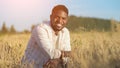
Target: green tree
{"x":12,"y":29}
{"x":4,"y":28}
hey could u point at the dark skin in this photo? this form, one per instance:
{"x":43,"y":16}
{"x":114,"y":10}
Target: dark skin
{"x":54,"y":62}
{"x":58,"y":21}
{"x":66,"y":54}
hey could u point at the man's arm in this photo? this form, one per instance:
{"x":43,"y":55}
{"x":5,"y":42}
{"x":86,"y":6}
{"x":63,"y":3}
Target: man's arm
{"x":67,"y":46}
{"x":41,"y":36}
{"x":66,"y":52}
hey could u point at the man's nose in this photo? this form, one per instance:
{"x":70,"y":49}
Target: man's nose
{"x":60,"y":21}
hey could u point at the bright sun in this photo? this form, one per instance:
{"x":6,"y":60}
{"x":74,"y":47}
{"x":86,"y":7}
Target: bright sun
{"x":27,"y":6}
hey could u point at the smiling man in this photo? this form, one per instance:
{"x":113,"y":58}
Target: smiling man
{"x":49,"y":45}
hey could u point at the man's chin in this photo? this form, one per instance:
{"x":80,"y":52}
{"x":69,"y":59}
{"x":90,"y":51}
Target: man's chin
{"x":58,"y":29}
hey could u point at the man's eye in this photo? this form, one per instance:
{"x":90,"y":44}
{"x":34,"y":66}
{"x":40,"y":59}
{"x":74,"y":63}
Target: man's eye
{"x":57,"y":17}
{"x":63,"y":18}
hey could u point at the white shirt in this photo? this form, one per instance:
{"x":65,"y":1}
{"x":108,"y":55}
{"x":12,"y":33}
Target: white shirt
{"x":44,"y":44}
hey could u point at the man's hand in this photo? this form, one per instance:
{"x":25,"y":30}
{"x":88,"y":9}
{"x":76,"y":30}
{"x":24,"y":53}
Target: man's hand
{"x":53,"y":63}
{"x":65,"y":54}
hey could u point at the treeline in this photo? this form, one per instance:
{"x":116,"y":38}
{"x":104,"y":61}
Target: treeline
{"x":91,"y":24}
{"x":77,"y":24}
{"x":5,"y":30}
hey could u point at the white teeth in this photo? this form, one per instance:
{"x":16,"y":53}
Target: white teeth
{"x":59,"y":25}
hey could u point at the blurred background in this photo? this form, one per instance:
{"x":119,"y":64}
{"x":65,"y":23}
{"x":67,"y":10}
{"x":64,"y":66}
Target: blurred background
{"x":94,"y":30}
{"x":21,"y":15}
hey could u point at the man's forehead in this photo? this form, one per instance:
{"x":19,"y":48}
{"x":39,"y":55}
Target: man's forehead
{"x":60,"y":14}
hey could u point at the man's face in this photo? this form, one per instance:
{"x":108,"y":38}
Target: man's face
{"x":58,"y":20}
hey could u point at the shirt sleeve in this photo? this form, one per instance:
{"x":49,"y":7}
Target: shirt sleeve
{"x":66,"y":44}
{"x":41,"y":37}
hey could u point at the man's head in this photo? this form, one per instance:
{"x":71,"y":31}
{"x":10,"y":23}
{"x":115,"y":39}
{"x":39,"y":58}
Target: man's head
{"x":59,"y":17}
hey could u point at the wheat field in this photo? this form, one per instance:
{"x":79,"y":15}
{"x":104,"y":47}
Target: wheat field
{"x":89,"y":50}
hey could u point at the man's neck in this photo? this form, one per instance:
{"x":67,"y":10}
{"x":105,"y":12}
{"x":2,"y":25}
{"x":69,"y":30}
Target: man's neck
{"x":56,"y":32}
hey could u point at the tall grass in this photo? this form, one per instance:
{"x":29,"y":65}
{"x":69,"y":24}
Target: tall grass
{"x":96,"y":50}
{"x":11,"y":50}
{"x":89,"y":50}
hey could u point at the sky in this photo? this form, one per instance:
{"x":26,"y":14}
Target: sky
{"x":24,"y":13}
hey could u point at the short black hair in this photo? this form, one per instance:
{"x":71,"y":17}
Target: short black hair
{"x":60,"y":7}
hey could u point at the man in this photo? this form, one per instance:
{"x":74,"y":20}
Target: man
{"x":49,"y":41}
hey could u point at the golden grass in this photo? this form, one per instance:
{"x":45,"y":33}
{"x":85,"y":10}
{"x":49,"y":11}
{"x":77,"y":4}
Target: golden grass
{"x":96,"y":50}
{"x":11,"y":49}
{"x":89,"y":50}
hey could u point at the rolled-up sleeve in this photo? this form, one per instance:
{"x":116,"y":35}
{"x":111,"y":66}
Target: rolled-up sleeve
{"x":41,"y":37}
